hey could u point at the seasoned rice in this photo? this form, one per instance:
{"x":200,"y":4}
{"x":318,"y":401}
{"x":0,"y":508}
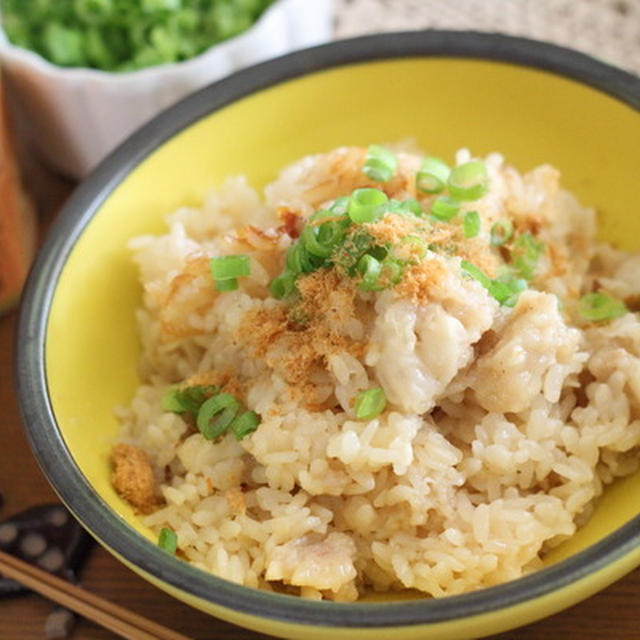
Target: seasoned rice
{"x":502,"y":427}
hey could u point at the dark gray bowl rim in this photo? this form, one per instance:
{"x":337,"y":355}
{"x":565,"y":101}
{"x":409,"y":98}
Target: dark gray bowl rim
{"x":37,"y":414}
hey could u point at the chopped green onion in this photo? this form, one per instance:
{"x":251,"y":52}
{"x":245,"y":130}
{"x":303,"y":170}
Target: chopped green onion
{"x":129,"y":33}
{"x":432,"y":175}
{"x":229,"y":267}
{"x":299,"y":260}
{"x":284,"y":285}
{"x":244,"y":424}
{"x":598,"y":307}
{"x":309,"y":238}
{"x":501,"y":232}
{"x":476,"y":273}
{"x":370,"y":403}
{"x":367,"y":205}
{"x":171,"y":401}
{"x":506,"y":289}
{"x":186,"y":399}
{"x":525,"y":254}
{"x":340,"y":205}
{"x":469,"y":181}
{"x":168,"y":540}
{"x":230,"y":284}
{"x":392,"y":271}
{"x":445,"y":208}
{"x":216,"y":414}
{"x":471,"y":224}
{"x":380,"y":164}
{"x":369,"y":268}
{"x":410,"y":205}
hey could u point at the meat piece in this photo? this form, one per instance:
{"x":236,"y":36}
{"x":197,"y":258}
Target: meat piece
{"x":534,"y":340}
{"x":133,"y":477}
{"x":314,"y":562}
{"x":417,"y":350}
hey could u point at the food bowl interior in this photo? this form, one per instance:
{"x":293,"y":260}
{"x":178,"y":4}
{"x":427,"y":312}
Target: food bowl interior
{"x":529,"y":115}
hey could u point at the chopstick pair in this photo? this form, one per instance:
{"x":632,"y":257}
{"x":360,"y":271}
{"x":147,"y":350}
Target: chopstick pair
{"x":121,"y":621}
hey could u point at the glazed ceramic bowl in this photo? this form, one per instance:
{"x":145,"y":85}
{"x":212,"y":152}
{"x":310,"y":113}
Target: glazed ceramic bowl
{"x":73,"y":117}
{"x":77,"y":345}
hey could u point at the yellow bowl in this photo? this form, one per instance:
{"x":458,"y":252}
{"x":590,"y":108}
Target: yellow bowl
{"x":77,"y":346}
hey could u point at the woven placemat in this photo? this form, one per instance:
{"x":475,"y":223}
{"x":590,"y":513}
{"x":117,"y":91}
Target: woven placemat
{"x":605,"y":29}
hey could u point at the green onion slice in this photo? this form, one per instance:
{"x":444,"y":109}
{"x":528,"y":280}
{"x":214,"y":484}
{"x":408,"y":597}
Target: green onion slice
{"x":432,"y":175}
{"x":284,"y":285}
{"x":181,"y":400}
{"x":340,"y":205}
{"x":370,"y":403}
{"x":445,"y":208}
{"x":380,"y":164}
{"x":229,"y":267}
{"x":598,"y":307}
{"x":410,"y":205}
{"x":525,"y":254}
{"x":469,"y":181}
{"x":244,"y":424}
{"x":216,"y":414}
{"x":506,"y":289}
{"x":392,"y":271}
{"x":230,"y":284}
{"x":369,"y":268}
{"x":367,"y":205}
{"x":471,"y":224}
{"x":310,"y":239}
{"x":168,"y":540}
{"x":501,"y":232}
{"x":476,"y":273}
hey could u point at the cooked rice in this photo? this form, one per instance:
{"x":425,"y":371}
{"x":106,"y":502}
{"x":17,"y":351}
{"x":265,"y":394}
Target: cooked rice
{"x":503,"y":425}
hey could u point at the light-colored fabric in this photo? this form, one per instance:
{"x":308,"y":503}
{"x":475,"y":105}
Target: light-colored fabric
{"x":605,"y":29}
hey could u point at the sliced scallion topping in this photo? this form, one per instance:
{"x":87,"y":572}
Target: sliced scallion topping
{"x":181,"y":400}
{"x":370,"y":403}
{"x":367,"y":205}
{"x":230,"y":284}
{"x":392,"y":271}
{"x":244,"y":424}
{"x":598,"y":307}
{"x":340,"y":205}
{"x":228,"y":267}
{"x":445,"y":208}
{"x":309,"y":238}
{"x":525,"y":254}
{"x":284,"y":285}
{"x":216,"y":414}
{"x":476,"y":273}
{"x":501,"y":232}
{"x":432,"y":176}
{"x":168,"y":540}
{"x":369,"y":268}
{"x":469,"y":181}
{"x":471,"y":224}
{"x":506,"y":289}
{"x":380,"y":164}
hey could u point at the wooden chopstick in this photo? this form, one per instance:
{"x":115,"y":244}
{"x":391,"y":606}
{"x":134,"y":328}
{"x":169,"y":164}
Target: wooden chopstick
{"x":121,"y":621}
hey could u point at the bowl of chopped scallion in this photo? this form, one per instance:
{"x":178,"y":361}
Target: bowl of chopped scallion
{"x":84,"y":74}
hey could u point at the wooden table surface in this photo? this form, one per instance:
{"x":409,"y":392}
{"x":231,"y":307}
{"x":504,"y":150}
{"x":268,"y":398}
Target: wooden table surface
{"x":613,"y":614}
